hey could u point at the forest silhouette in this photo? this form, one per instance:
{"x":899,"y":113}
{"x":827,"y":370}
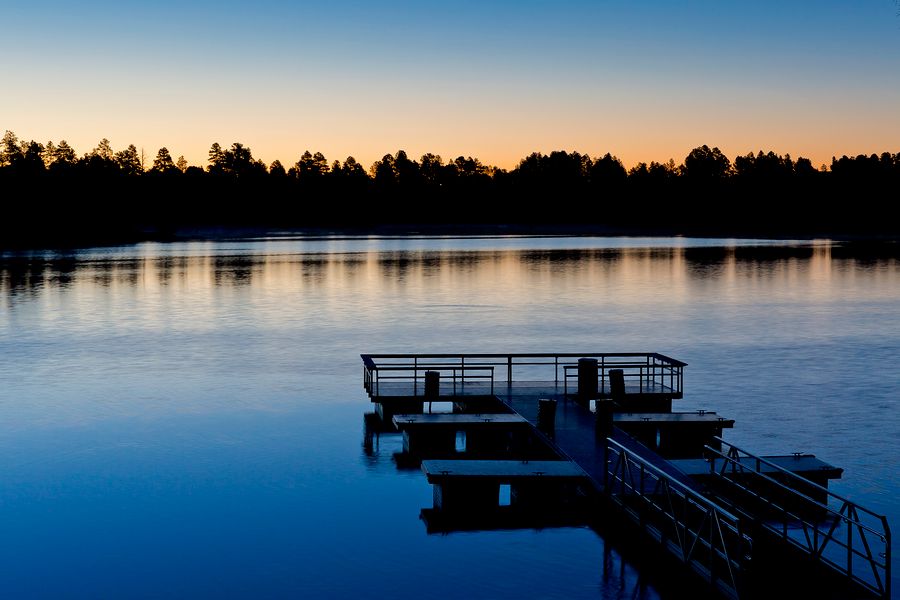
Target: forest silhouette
{"x":50,"y":195}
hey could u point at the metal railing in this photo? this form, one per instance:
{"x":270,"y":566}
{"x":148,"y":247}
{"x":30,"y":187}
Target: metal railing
{"x":655,"y":374}
{"x":703,"y":535}
{"x":836,"y":532}
{"x":645,"y":372}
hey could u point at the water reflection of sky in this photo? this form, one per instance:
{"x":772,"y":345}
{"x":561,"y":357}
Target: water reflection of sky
{"x":188,"y":416}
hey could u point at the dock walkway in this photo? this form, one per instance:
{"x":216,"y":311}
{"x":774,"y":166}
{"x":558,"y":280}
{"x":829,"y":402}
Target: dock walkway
{"x":574,"y":434}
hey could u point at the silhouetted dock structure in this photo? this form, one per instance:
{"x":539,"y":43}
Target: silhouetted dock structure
{"x":520,"y":440}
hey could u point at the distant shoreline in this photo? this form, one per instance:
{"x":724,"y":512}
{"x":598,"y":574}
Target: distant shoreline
{"x":74,"y":241}
{"x":103,"y":198}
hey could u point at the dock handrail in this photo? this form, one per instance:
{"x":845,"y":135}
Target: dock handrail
{"x":459,"y":376}
{"x":698,"y":531}
{"x":646,"y":370}
{"x":811,"y":536}
{"x":647,"y":377}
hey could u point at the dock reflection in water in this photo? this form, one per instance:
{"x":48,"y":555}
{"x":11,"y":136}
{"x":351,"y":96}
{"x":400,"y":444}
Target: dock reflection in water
{"x":624,"y":572}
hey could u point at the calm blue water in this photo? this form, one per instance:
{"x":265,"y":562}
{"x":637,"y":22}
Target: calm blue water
{"x":183,"y":420}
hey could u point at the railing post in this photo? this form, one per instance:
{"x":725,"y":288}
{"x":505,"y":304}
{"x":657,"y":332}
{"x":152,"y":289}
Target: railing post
{"x":641,"y":494}
{"x":603,"y":429}
{"x":887,"y":557}
{"x":603,"y":374}
{"x":509,"y":370}
{"x":849,"y":544}
{"x":647,"y":364}
{"x":415,"y":376}
{"x":712,"y":522}
{"x":606,"y":465}
{"x":462,"y":362}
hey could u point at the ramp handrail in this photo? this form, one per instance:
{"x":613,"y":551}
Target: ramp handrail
{"x":812,"y":536}
{"x":705,"y":536}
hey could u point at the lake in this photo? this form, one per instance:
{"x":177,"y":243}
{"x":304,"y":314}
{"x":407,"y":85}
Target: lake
{"x":186,"y":419}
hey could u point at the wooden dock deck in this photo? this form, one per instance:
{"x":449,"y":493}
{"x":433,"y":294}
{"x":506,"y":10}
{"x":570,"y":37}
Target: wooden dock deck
{"x":735,"y":519}
{"x":487,"y":435}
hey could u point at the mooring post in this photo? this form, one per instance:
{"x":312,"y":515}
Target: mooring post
{"x":603,"y":418}
{"x":603,"y":428}
{"x":432,"y":385}
{"x":546,"y":416}
{"x":587,"y":378}
{"x":617,"y":386}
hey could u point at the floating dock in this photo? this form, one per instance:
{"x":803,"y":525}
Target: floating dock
{"x":519,"y":440}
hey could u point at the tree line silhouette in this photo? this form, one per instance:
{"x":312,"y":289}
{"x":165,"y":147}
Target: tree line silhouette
{"x":49,"y":193}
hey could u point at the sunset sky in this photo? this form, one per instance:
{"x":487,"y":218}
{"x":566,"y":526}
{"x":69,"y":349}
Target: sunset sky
{"x":492,"y":79}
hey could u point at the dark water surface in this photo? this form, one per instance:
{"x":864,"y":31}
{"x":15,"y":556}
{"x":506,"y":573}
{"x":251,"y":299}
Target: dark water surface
{"x":185,"y":420}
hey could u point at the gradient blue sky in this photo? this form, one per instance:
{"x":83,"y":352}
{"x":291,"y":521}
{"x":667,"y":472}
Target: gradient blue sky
{"x":497,"y":80}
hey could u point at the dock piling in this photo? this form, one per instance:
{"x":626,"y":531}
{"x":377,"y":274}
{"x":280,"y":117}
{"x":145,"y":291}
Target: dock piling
{"x":587,"y":378}
{"x":603,"y":423}
{"x":603,"y":429}
{"x":432,"y":385}
{"x":617,"y":385}
{"x":546,"y":416}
